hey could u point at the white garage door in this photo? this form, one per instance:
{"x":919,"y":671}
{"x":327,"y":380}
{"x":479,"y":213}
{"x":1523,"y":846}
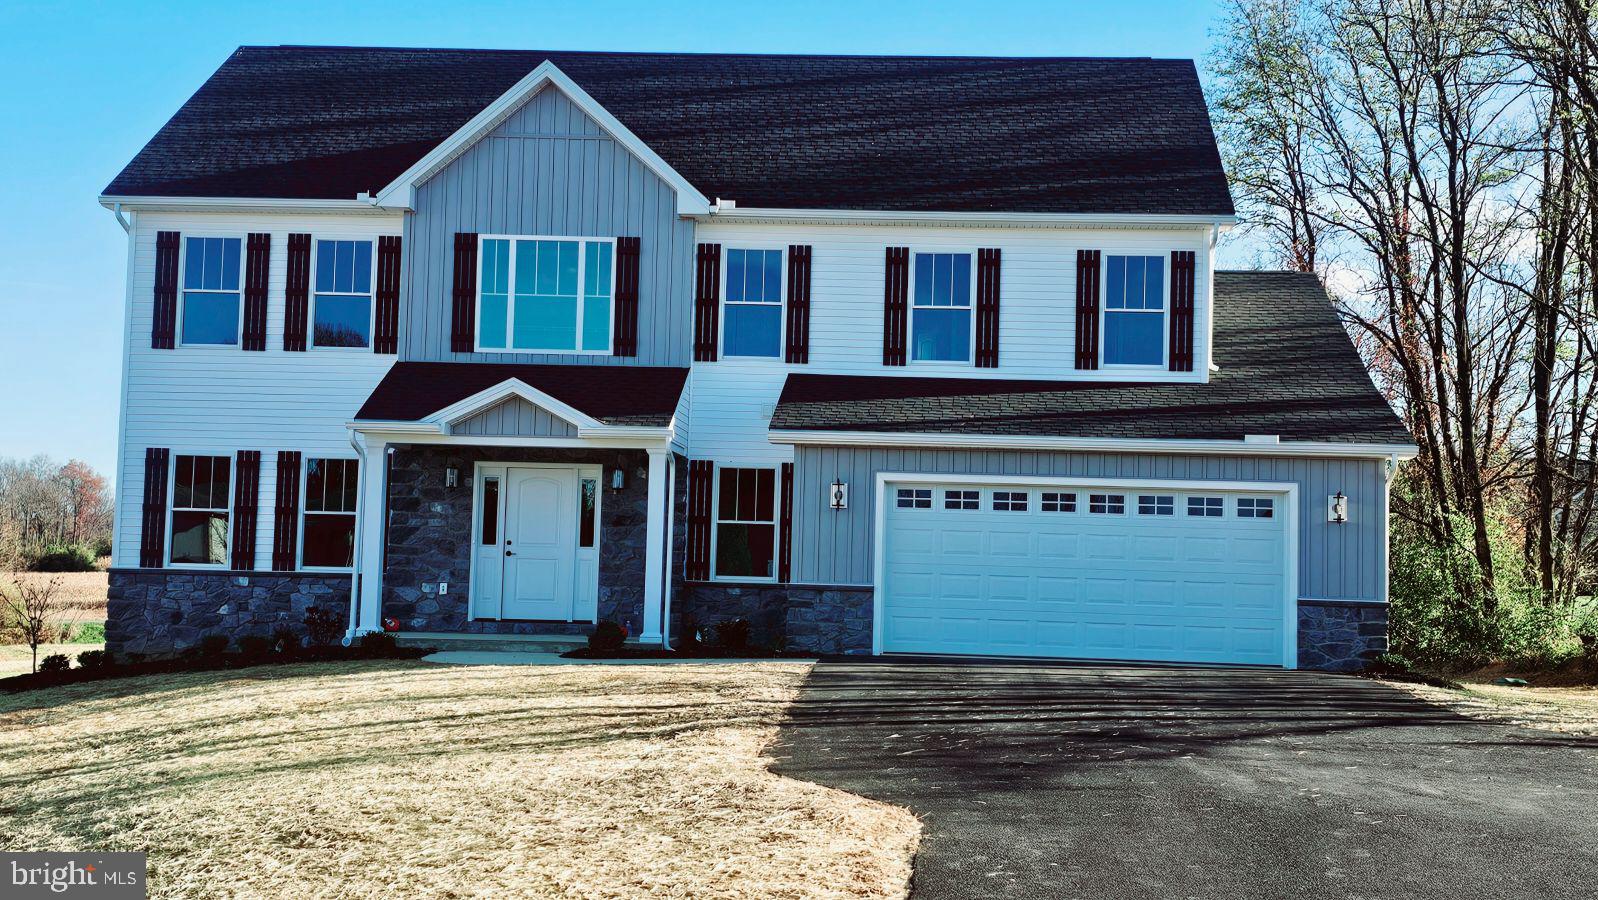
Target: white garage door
{"x":1125,"y":573}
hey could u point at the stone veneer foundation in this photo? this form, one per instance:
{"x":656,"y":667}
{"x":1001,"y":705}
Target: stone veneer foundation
{"x":157,"y":612}
{"x":1340,"y":635}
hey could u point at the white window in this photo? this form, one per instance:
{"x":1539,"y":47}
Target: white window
{"x":962,"y":500}
{"x":1107,"y":504}
{"x":1206,"y":507}
{"x":1009,"y":501}
{"x":941,"y":323}
{"x":342,"y":311}
{"x":327,"y":529}
{"x":202,"y":497}
{"x":915,"y":498}
{"x":746,"y":523}
{"x":1156,"y":505}
{"x":1255,"y":507}
{"x":1058,"y":502}
{"x":1134,"y":311}
{"x":211,"y":295}
{"x":546,"y":295}
{"x":752,"y":304}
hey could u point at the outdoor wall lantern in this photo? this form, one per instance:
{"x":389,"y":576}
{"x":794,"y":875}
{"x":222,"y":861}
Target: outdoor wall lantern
{"x":618,"y":479}
{"x":1337,"y":508}
{"x":452,"y":476}
{"x":838,"y":496}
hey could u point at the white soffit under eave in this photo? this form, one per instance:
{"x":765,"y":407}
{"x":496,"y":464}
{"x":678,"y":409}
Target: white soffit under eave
{"x":400,"y":193}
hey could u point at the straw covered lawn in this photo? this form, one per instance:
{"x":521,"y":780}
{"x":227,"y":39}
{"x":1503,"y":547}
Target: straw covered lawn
{"x":413,"y":780}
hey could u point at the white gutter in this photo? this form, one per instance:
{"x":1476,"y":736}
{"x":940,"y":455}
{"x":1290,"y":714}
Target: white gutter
{"x":1255,"y":447}
{"x":734,"y":214}
{"x":244,"y":204}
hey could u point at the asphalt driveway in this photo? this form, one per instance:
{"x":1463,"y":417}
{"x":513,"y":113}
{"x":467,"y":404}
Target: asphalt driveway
{"x":1055,"y":781}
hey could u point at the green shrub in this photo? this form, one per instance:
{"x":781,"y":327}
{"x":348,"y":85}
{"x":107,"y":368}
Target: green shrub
{"x":212,"y":645}
{"x":93,"y":659}
{"x":255,"y":646}
{"x":378,"y":643}
{"x":55,"y":662}
{"x":323,"y":625}
{"x":102,"y":548}
{"x":64,"y":558}
{"x":88,"y":633}
{"x":607,"y":635}
{"x":733,"y":634}
{"x":285,"y":640}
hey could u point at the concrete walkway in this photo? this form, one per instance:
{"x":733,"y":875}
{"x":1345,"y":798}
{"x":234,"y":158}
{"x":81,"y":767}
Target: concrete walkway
{"x":530,"y":658}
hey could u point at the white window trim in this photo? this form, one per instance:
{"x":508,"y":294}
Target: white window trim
{"x":371,"y":318}
{"x":1237,"y":508}
{"x":1010,"y":498}
{"x":172,"y":507}
{"x":183,"y":292}
{"x":305,"y":481}
{"x":1128,"y":502}
{"x":962,"y":500}
{"x":716,"y":521}
{"x":1165,"y":312}
{"x":1176,"y":501}
{"x":510,"y":302}
{"x":1061,"y":495}
{"x":911,"y":307}
{"x":781,"y":304}
{"x":1187,"y":512}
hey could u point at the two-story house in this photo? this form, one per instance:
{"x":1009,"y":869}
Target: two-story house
{"x":885,"y":355}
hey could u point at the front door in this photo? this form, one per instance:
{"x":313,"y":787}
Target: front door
{"x":540,"y":543}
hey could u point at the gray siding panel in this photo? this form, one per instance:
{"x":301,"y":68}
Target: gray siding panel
{"x":1336,"y":562}
{"x":515,"y":418}
{"x":549,"y":170}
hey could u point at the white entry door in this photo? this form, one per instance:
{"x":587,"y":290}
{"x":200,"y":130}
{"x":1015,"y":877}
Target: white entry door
{"x":540,"y":544}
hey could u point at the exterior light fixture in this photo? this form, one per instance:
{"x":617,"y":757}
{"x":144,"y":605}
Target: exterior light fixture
{"x":838,"y":495}
{"x":452,"y":476}
{"x":1337,"y":508}
{"x":618,"y":479}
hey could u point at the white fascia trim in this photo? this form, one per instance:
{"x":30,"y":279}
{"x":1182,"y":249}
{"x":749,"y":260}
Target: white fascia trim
{"x":742,"y":214}
{"x":244,"y":204}
{"x":418,"y":433}
{"x":1104,"y":445}
{"x":483,"y":400}
{"x":401,"y":192}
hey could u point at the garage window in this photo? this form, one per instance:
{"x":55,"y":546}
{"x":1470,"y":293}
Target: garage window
{"x":746,"y":523}
{"x":961,"y":500}
{"x":915,"y":498}
{"x":1058,"y":502}
{"x":1255,"y":508}
{"x":1206,"y":507}
{"x":1156,"y":505}
{"x":1009,"y":501}
{"x":1107,"y":504}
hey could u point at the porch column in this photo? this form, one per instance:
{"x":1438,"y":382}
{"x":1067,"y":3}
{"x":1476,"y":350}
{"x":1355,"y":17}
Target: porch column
{"x":374,"y":495}
{"x":655,"y":547}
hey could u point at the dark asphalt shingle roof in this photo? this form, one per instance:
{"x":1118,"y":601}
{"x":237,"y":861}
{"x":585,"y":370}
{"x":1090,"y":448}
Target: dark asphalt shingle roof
{"x":615,"y":395}
{"x":1287,"y":368}
{"x":902,"y":133}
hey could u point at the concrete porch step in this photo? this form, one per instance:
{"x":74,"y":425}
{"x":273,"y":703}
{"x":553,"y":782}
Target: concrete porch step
{"x":526,"y":643}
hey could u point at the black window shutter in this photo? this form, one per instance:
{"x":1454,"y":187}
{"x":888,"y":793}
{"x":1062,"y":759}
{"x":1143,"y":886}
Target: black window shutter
{"x":624,"y":337}
{"x":152,"y":534}
{"x":895,"y":306}
{"x":1087,"y":309}
{"x":798,"y":349}
{"x":1183,"y":266}
{"x":164,"y":318}
{"x":246,"y":506}
{"x":463,"y":312}
{"x":785,"y":528}
{"x":987,"y":355}
{"x":297,"y":292}
{"x":385,"y":333}
{"x":707,"y":302}
{"x":257,"y":267}
{"x":701,"y":475}
{"x":286,"y":518}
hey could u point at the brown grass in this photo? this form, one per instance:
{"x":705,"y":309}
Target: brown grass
{"x":15,"y":659}
{"x":1571,"y":710}
{"x":413,"y":780}
{"x":82,"y":593}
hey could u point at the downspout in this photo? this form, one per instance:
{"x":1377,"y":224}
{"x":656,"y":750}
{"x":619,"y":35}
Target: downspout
{"x":116,"y":209}
{"x":355,"y":578}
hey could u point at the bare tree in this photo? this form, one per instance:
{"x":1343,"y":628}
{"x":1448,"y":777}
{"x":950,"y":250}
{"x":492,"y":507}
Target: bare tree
{"x":32,"y":611}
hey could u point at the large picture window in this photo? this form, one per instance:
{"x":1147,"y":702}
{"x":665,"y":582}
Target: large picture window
{"x":753,"y":303}
{"x":343,"y":313}
{"x":550,"y":295}
{"x":940,"y":308}
{"x":1134,"y":311}
{"x":202,"y":490}
{"x":331,"y":487}
{"x":211,"y":296}
{"x":746,"y":523}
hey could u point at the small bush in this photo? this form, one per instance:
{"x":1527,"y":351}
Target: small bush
{"x":212,"y":645}
{"x":55,"y":662}
{"x":93,"y":659}
{"x":607,"y":635}
{"x":285,"y":640}
{"x":733,"y":634}
{"x":255,"y":646}
{"x":102,"y":548}
{"x":378,"y":643}
{"x":64,"y":558}
{"x":323,"y":625}
{"x":88,"y":633}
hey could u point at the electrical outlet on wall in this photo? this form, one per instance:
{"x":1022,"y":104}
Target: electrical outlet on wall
{"x":443,"y":587}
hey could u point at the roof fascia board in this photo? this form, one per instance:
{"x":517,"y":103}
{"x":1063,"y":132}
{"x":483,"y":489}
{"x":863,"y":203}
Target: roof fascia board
{"x":423,"y":433}
{"x":1104,"y":445}
{"x":243,"y":204}
{"x":401,"y":192}
{"x":741,"y":214}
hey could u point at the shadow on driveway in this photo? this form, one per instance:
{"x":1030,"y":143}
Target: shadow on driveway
{"x":1047,"y":780}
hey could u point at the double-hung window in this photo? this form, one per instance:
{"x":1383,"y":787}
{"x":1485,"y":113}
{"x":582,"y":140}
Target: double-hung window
{"x":746,"y":523}
{"x":202,"y":494}
{"x":753,"y":304}
{"x":1134,"y":311}
{"x":343,"y":313}
{"x":940,"y":308}
{"x":211,"y":296}
{"x":545,"y":295}
{"x":331,"y":487}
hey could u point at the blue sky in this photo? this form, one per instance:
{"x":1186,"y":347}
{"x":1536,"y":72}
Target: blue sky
{"x":86,"y":84}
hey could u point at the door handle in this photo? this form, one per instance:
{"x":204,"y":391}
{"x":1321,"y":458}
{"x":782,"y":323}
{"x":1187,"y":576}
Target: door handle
{"x":509,"y":553}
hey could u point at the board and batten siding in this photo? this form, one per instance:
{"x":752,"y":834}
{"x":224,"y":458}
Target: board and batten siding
{"x":514,"y":418}
{"x":219,"y":400}
{"x":1336,"y":562}
{"x":550,"y":170}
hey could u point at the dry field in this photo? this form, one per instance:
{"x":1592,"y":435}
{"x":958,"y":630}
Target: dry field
{"x":83,"y":593}
{"x":1572,"y":710}
{"x":414,"y":780}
